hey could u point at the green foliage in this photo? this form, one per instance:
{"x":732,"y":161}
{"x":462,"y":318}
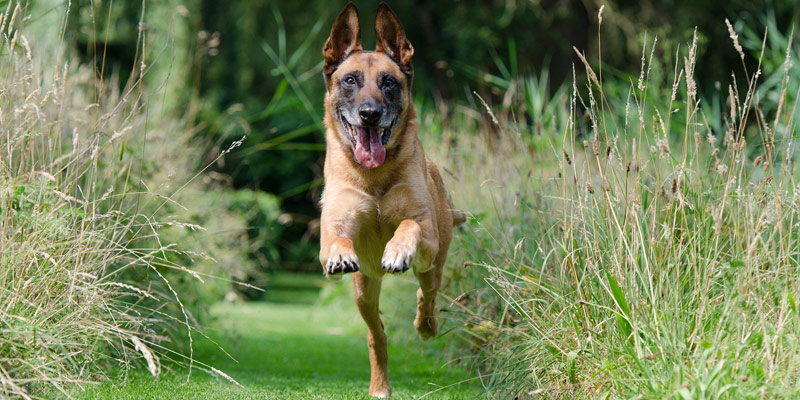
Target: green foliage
{"x":285,"y":125}
{"x":780,"y":60}
{"x":622,"y":240}
{"x":652,"y":252}
{"x":92,"y":194}
{"x":68,"y":228}
{"x":253,"y":68}
{"x":261,"y":211}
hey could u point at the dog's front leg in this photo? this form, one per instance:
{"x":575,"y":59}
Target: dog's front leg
{"x":415,"y":241}
{"x":338,"y":225}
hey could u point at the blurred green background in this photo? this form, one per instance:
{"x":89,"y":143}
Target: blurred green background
{"x":253,"y":68}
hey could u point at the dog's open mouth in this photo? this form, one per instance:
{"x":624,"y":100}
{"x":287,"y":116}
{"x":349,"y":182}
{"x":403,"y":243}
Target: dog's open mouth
{"x":368,"y":142}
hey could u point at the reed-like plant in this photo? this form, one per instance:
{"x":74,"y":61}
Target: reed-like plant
{"x":646,"y":254}
{"x":87,"y":282}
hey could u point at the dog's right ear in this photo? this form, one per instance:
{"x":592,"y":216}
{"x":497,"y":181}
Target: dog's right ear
{"x":345,"y":38}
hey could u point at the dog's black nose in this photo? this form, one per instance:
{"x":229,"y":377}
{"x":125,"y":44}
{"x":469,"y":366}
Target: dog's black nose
{"x":370,"y":113}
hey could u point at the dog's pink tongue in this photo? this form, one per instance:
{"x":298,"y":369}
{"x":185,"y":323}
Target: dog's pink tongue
{"x":369,"y":149}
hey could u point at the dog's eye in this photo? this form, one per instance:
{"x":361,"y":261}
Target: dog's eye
{"x":350,"y":80}
{"x":389,"y":83}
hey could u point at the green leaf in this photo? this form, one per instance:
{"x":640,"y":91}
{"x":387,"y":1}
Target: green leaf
{"x":619,"y":297}
{"x":623,"y":319}
{"x":757,"y":340}
{"x":624,"y":325}
{"x":273,"y":103}
{"x":571,"y":356}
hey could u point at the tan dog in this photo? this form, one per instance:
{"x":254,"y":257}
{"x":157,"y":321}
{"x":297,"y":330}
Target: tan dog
{"x":384,"y":206}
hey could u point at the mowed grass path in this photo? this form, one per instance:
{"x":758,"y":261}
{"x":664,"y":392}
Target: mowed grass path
{"x":289,"y":350}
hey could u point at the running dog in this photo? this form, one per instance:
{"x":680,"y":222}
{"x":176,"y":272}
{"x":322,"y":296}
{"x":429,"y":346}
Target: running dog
{"x":385,"y":208}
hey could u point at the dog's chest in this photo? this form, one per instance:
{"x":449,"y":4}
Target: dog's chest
{"x":376,"y":228}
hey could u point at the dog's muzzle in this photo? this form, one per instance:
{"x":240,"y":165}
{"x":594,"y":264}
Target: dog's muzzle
{"x":368,"y":143}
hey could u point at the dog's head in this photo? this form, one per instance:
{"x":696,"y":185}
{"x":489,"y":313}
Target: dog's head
{"x":369,"y":92}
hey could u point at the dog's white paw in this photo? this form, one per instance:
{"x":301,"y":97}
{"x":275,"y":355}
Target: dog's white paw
{"x":382,"y":391}
{"x":397,"y":257}
{"x":341,"y":263}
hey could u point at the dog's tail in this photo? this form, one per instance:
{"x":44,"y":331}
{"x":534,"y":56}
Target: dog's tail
{"x":459,"y":217}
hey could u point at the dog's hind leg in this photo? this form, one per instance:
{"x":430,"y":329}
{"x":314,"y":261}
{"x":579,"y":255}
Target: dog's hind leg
{"x":429,"y":282}
{"x":367,"y":293}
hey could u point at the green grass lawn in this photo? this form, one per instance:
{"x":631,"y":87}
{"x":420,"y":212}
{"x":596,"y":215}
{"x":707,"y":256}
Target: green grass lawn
{"x":286,"y":350}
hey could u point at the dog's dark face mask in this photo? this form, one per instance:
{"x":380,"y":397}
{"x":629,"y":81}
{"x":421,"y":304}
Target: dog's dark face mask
{"x":368,"y":92}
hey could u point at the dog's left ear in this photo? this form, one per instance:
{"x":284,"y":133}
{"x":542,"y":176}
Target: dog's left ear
{"x":391,"y":38}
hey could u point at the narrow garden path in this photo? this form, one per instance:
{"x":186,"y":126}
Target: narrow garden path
{"x":291,"y":350}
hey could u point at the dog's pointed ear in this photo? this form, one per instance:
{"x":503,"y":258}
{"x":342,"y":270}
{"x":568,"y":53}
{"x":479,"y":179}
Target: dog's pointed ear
{"x":345,"y":38}
{"x":391,"y":38}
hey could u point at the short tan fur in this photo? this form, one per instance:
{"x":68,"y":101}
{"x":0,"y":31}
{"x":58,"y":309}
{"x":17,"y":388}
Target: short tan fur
{"x":384,"y":209}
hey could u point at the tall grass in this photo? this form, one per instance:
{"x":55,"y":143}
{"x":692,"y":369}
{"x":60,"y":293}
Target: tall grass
{"x":643,"y":252}
{"x":88,"y":282}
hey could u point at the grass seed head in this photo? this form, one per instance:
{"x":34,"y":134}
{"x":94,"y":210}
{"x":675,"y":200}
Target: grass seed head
{"x":735,"y":38}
